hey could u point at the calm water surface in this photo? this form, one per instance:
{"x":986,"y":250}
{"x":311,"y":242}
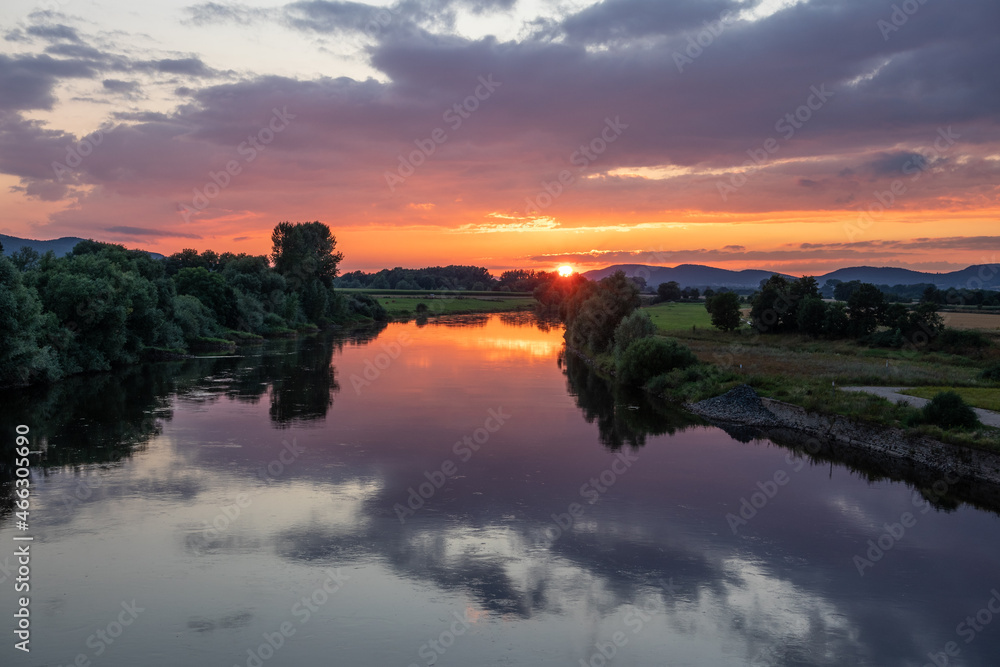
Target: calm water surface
{"x":459,"y":493}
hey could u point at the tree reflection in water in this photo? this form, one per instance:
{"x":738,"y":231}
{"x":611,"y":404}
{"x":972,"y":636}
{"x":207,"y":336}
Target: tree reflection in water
{"x":624,"y":415}
{"x":104,"y":418}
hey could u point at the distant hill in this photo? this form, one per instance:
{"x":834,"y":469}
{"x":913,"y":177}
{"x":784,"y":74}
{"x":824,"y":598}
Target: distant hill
{"x":885,"y":275}
{"x":60,"y":247}
{"x":696,"y":275}
{"x":687,"y":275}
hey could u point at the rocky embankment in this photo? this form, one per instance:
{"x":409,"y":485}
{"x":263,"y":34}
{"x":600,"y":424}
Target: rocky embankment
{"x":889,"y":451}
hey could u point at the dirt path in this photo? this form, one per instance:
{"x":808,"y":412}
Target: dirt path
{"x":987,"y":417}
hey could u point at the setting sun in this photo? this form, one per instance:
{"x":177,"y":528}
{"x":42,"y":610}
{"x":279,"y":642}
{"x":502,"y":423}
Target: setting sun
{"x":565,"y":270}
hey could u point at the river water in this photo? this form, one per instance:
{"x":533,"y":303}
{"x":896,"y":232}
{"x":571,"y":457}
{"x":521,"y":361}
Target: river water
{"x":460,"y":492}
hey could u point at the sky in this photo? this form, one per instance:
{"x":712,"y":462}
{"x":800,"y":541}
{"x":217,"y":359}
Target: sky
{"x":800,"y":136}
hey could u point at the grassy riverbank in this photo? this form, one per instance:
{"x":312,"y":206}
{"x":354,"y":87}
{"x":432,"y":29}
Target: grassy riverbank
{"x":407,"y":306}
{"x":807,"y":372}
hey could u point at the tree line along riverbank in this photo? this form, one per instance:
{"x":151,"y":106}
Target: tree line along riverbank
{"x":102,"y":305}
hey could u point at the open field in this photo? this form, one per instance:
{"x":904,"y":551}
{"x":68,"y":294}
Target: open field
{"x":972,"y":320}
{"x":677,"y":316}
{"x":406,"y":306}
{"x":428,"y":292}
{"x":986,"y":398}
{"x":808,"y":372}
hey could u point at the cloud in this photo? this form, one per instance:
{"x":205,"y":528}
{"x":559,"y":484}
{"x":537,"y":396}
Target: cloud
{"x":119,"y":86}
{"x":187,"y":66}
{"x":815,"y":254}
{"x":560,"y":83}
{"x":54,"y":33}
{"x":27,"y":81}
{"x":209,"y":13}
{"x":143,"y":231}
{"x":625,"y":20}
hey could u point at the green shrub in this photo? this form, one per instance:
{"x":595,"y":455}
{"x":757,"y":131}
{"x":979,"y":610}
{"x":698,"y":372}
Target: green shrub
{"x":648,"y":357}
{"x":890,"y":338}
{"x":421,"y":308}
{"x":948,"y":410}
{"x":960,"y":340}
{"x":633,"y":326}
{"x":991,"y":373}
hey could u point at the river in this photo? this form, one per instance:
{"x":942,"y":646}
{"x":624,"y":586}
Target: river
{"x":461,"y":492}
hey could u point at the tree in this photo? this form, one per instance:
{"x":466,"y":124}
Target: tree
{"x":772,"y":306}
{"x":812,"y":316}
{"x":633,"y":326}
{"x":645,"y":358}
{"x":305,"y":255}
{"x":22,"y":359}
{"x":866,"y":309}
{"x":594,"y":310}
{"x":843,"y":291}
{"x":836,"y":324}
{"x":211,"y":289}
{"x":724,"y":308}
{"x":304,"y":252}
{"x":932,"y":295}
{"x":26,"y":258}
{"x":670,"y":291}
{"x":806,"y":286}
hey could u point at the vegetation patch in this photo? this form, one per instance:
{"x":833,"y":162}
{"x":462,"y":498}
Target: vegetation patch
{"x":670,"y":317}
{"x":986,"y":398}
{"x":948,"y":411}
